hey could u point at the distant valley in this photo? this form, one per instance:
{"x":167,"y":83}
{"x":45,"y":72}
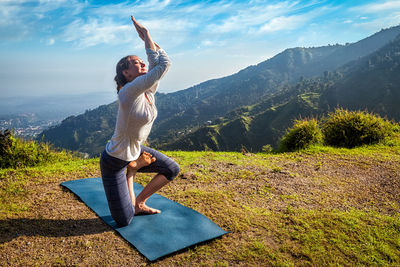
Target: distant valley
{"x":30,"y":115}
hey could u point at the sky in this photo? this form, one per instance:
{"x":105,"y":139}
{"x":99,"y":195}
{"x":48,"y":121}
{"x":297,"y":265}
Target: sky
{"x":58,"y":47}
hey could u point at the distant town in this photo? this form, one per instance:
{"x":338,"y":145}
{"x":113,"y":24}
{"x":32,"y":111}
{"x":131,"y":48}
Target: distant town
{"x":27,"y":125}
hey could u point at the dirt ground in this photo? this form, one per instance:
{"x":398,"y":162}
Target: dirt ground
{"x":58,"y":229}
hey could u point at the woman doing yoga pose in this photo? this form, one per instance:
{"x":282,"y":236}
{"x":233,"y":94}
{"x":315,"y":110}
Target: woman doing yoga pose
{"x":124,"y":154}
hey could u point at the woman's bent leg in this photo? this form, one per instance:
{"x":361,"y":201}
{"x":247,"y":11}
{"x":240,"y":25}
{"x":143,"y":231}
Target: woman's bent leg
{"x":163,"y":164}
{"x":153,"y":186}
{"x":116,"y":189}
{"x":166,"y":169}
{"x":130,"y":175}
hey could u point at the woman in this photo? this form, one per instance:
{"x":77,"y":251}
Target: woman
{"x":136,"y":87}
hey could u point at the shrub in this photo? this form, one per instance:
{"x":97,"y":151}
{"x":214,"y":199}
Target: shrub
{"x":15,"y":152}
{"x":303,"y":134}
{"x":267,"y":148}
{"x":345,"y":128}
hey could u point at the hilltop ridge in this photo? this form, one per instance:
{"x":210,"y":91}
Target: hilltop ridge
{"x":371,"y":82}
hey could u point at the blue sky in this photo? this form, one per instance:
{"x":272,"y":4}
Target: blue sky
{"x":51,"y":47}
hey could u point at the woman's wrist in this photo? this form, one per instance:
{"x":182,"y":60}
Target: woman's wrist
{"x":149,"y":43}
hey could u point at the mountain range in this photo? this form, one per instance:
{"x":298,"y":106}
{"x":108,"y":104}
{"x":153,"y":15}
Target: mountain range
{"x":253,"y":107}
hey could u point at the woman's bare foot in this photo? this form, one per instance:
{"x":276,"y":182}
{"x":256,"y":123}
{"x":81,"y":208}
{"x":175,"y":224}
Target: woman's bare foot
{"x":143,"y":209}
{"x":144,"y":159}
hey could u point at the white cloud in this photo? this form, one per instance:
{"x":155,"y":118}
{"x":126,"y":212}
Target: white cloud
{"x":380,"y":7}
{"x":151,"y":4}
{"x":109,"y":23}
{"x":245,"y":17}
{"x":262,"y":18}
{"x":207,"y":43}
{"x":381,"y":22}
{"x":168,"y":25}
{"x":106,"y":31}
{"x":379,"y":15}
{"x":8,"y":10}
{"x":70,"y":7}
{"x":114,"y":25}
{"x":22,"y":19}
{"x":348,"y":21}
{"x":283,"y":23}
{"x":375,"y":16}
{"x":50,"y":41}
{"x":125,"y":9}
{"x":94,"y":32}
{"x":11,"y":26}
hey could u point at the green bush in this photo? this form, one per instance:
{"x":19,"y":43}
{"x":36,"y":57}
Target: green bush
{"x":267,"y":148}
{"x":303,"y":134}
{"x":15,"y":152}
{"x":349,"y":129}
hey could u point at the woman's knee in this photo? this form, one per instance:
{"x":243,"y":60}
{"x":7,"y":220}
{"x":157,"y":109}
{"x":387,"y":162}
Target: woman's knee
{"x":121,"y":209}
{"x":172,"y":171}
{"x":123,"y":220}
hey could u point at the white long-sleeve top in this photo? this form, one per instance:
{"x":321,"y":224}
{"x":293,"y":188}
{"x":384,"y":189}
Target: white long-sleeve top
{"x":135,"y":114}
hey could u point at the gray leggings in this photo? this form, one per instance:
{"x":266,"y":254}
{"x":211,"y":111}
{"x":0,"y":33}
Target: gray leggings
{"x":113,"y":173}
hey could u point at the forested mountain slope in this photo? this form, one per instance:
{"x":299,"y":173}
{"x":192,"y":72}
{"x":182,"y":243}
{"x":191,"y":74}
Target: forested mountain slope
{"x":371,"y":82}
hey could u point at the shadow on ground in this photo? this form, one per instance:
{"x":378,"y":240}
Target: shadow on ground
{"x":12,"y":228}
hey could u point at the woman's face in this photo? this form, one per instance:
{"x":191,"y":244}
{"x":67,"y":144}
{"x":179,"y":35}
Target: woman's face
{"x":136,"y":68}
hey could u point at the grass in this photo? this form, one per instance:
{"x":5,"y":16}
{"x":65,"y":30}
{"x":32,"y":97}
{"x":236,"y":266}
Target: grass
{"x":319,"y":206}
{"x":15,"y":184}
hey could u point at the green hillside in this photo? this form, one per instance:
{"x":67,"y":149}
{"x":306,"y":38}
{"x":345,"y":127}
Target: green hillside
{"x":371,"y":82}
{"x":207,"y":101}
{"x":266,"y":85}
{"x":87,"y":133}
{"x":320,"y":206}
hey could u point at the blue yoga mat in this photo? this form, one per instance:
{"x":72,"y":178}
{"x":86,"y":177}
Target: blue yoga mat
{"x":175,"y":228}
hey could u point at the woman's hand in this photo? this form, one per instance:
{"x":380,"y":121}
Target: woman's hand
{"x":144,"y":35}
{"x":141,"y":30}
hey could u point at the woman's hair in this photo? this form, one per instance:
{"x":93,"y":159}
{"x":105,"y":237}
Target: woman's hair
{"x":122,"y":65}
